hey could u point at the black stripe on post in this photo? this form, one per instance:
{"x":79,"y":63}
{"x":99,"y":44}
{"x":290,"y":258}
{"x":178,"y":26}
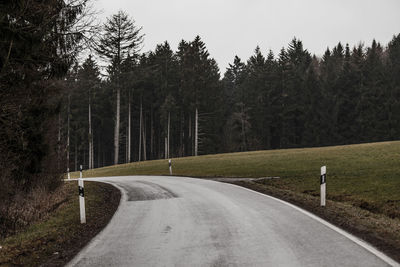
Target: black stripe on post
{"x":81,"y":191}
{"x":323,"y":179}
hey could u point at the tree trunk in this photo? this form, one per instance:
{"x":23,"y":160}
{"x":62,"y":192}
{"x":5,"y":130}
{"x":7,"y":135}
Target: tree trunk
{"x":190,"y":145}
{"x":243,"y":130}
{"x":59,"y":141}
{"x":98,"y":152}
{"x":151,"y":134}
{"x":144,"y":139}
{"x":126,"y":145}
{"x":182,"y":137}
{"x":69,"y":103}
{"x":76,"y":156}
{"x":103,"y":157}
{"x":129,"y":126}
{"x":116,"y":128}
{"x":92,"y":149}
{"x":140,"y":131}
{"x":196,"y":133}
{"x":166,"y":147}
{"x":169,"y":125}
{"x":90,"y":136}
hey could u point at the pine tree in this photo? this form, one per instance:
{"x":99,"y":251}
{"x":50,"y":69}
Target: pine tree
{"x":293,"y":63}
{"x":237,"y":123}
{"x":200,"y":89}
{"x":393,"y":101}
{"x":316,"y":122}
{"x":89,"y":83}
{"x":372,"y":114}
{"x":256,"y":98}
{"x":119,"y":39}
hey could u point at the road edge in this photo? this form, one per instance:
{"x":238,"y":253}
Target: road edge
{"x":75,"y":260}
{"x":346,"y":234}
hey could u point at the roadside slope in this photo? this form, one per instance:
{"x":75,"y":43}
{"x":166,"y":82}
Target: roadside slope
{"x":56,"y":239}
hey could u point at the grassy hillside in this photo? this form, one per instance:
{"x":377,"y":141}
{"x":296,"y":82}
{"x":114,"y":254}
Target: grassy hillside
{"x":367,"y":175}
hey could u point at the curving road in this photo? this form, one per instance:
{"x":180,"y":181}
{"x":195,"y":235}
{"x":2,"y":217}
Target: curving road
{"x":175,"y":221}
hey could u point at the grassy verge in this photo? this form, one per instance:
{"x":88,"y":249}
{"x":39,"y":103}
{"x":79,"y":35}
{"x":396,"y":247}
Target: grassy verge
{"x":56,"y":239}
{"x":365,"y":175}
{"x":363,"y":182}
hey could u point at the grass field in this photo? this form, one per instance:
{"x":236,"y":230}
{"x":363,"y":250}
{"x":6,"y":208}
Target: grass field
{"x":365,"y":175}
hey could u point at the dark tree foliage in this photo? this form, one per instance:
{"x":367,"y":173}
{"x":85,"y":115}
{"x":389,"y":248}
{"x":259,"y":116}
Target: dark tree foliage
{"x":39,"y":42}
{"x":293,"y":99}
{"x":84,"y":85}
{"x":120,"y":41}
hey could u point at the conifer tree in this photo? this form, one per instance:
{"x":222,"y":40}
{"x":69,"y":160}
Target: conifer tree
{"x":89,"y":83}
{"x":237,"y":123}
{"x":119,"y":39}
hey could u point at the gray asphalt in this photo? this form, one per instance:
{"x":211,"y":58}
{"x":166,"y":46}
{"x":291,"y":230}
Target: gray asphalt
{"x":176,"y":221}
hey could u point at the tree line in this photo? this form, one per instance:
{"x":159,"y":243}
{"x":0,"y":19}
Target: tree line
{"x":39,"y":42}
{"x":164,"y":104}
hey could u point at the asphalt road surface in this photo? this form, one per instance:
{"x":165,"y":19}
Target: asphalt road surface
{"x":175,"y":221}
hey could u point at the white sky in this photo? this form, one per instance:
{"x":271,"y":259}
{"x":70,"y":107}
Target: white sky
{"x":236,"y":27}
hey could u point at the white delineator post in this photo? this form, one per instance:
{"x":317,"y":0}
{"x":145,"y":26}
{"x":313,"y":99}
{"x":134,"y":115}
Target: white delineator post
{"x":323,"y":186}
{"x":69,"y":176}
{"x":81,"y":189}
{"x":80,"y":175}
{"x":170,"y":167}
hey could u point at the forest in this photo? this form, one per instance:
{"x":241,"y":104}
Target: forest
{"x":58,"y":112}
{"x":164,"y":103}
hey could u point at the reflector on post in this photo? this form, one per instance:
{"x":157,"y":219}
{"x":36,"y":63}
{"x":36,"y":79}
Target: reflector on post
{"x":323,"y":186}
{"x":81,"y":191}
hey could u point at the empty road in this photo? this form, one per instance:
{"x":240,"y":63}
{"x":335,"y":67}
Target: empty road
{"x":175,"y":221}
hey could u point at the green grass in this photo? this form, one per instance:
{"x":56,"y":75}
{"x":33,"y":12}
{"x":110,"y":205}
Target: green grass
{"x":56,"y":239}
{"x":366,"y":175}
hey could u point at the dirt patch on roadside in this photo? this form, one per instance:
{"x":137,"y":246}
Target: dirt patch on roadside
{"x":379,"y":230}
{"x":57,"y":239}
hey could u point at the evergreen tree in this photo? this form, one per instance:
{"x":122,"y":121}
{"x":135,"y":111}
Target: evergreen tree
{"x":39,"y":42}
{"x":237,"y":123}
{"x":119,"y":39}
{"x":256,"y":98}
{"x":393,"y":101}
{"x":89,"y":84}
{"x":372,"y":113}
{"x":293,"y":63}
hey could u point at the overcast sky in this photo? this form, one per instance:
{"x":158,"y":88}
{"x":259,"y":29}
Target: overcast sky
{"x":236,"y":27}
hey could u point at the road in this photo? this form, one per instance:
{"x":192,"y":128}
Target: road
{"x":175,"y":221}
